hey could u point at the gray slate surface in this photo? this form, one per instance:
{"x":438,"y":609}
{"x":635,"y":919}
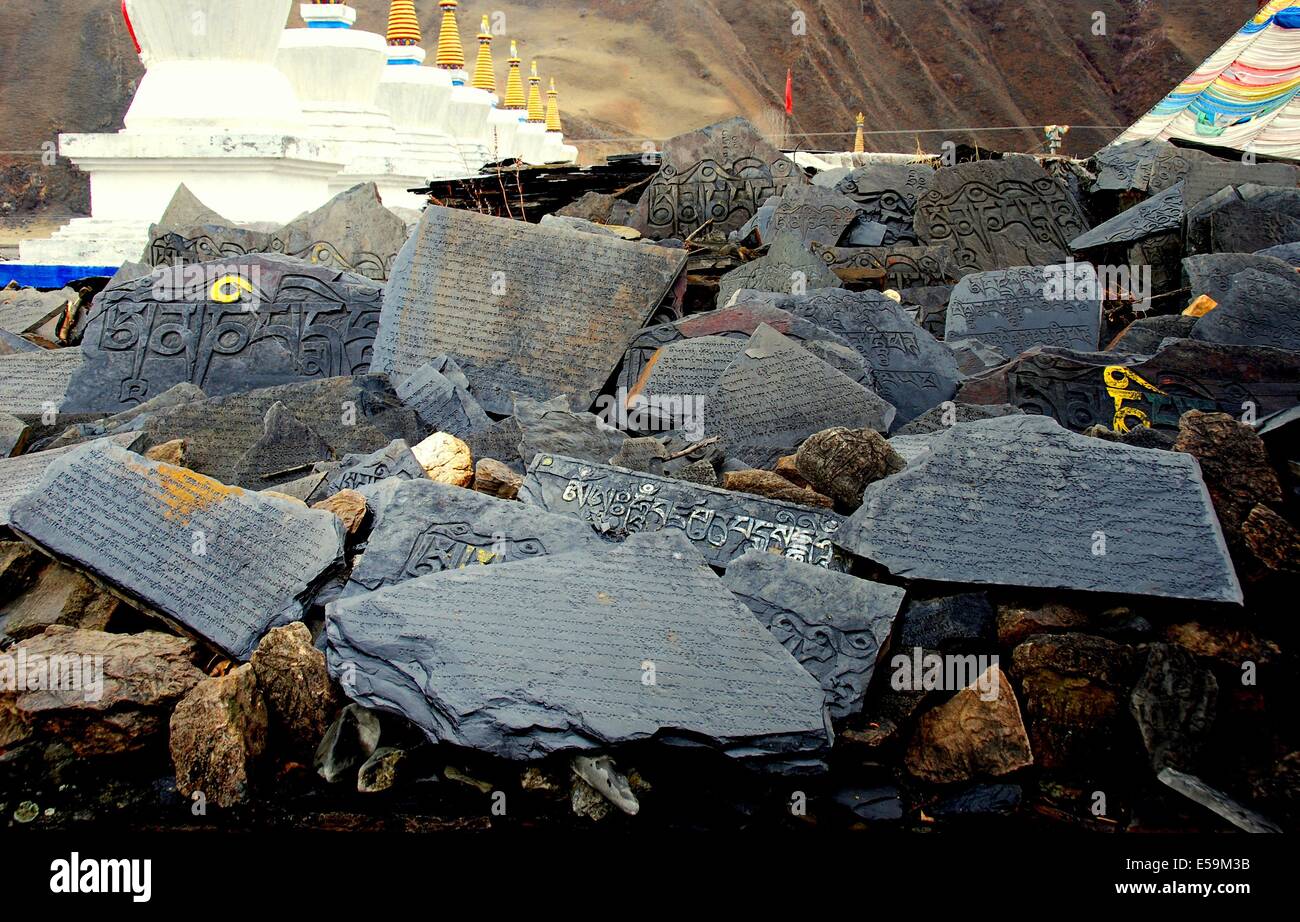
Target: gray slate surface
{"x":788,"y":268}
{"x":1017,"y":309}
{"x":443,"y":403}
{"x":25,"y":310}
{"x":19,"y":476}
{"x":1259,"y":309}
{"x":33,"y":382}
{"x":1163,"y":212}
{"x":356,"y":472}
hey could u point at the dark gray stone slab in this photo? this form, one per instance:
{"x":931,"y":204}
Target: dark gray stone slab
{"x":1144,"y":166}
{"x":227,"y":327}
{"x":552,"y":428}
{"x":1217,"y":802}
{"x":13,"y":435}
{"x":975,"y":357}
{"x":1244,"y":220}
{"x":1120,"y":519}
{"x":788,"y":268}
{"x":996,"y":214}
{"x":422,"y":527}
{"x":220,"y":562}
{"x":1017,"y":309}
{"x":356,"y":472}
{"x":959,"y":623}
{"x":1259,"y":309}
{"x":131,"y":419}
{"x":929,"y":306}
{"x":34,"y":384}
{"x":442,"y":404}
{"x":351,"y":415}
{"x":522,"y":309}
{"x":813,"y":214}
{"x":944,"y":417}
{"x":720,"y":523}
{"x":887,"y":194}
{"x":688,"y":367}
{"x":577,"y":651}
{"x":187,"y":208}
{"x":21,"y":475}
{"x":834,"y":624}
{"x":1158,"y":214}
{"x":903,"y":266}
{"x":500,"y":442}
{"x":287,"y":450}
{"x":13,"y":344}
{"x":1144,"y":335}
{"x":1287,"y":252}
{"x":1212,"y":273}
{"x":26,"y":310}
{"x":723,"y":173}
{"x":775,"y":394}
{"x":1206,"y":177}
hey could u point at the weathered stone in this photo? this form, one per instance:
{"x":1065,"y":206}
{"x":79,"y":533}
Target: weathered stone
{"x":887,"y":193}
{"x":172,"y":453}
{"x":945,"y":417}
{"x":1144,"y":335}
{"x":381,"y":771}
{"x":1289,"y":253}
{"x":1213,"y":274}
{"x":222,"y":563}
{"x":1206,"y":177}
{"x":1216,"y":801}
{"x":13,"y":435}
{"x":949,"y":623}
{"x":543,"y":693}
{"x":1260,"y":309}
{"x":496,"y":479}
{"x":840,"y":462}
{"x":834,"y":624}
{"x":442,"y":403}
{"x":813,"y":214}
{"x":349,"y":506}
{"x":218,"y":736}
{"x":1144,"y":166}
{"x":128,"y":419}
{"x":1234,"y":463}
{"x":1017,"y":622}
{"x":1228,"y":645}
{"x":1017,"y":309}
{"x":645,"y":454}
{"x":1272,"y":541}
{"x":1174,"y":704}
{"x":974,"y":357}
{"x":882,"y":804}
{"x":422,"y":527}
{"x":499,"y":441}
{"x":445,"y":459}
{"x":552,"y":428}
{"x":20,"y":565}
{"x":26,"y":310}
{"x":13,"y":344}
{"x":1244,"y":220}
{"x":142,"y":677}
{"x":685,"y":369}
{"x":980,"y":800}
{"x":587,"y":802}
{"x":1158,"y":214}
{"x":603,"y":775}
{"x":291,"y":673}
{"x":898,"y":267}
{"x":788,"y":268}
{"x":356,"y":472}
{"x":351,"y":739}
{"x":34,"y":384}
{"x":513,"y":304}
{"x":773,"y":486}
{"x":995,"y":214}
{"x":58,"y":596}
{"x":286,"y":450}
{"x":22,"y":475}
{"x":971,"y":735}
{"x":700,"y":472}
{"x":957,"y":514}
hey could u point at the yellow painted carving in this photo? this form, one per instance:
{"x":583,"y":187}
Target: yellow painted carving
{"x":1123,"y":384}
{"x":230,"y":288}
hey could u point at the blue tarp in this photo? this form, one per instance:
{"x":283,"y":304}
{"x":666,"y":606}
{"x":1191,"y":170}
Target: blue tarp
{"x":29,"y":276}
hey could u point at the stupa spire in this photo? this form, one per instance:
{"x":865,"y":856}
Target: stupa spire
{"x":536,"y":113}
{"x":515,"y":82}
{"x":553,"y":109}
{"x":403,"y":24}
{"x":485,"y":77}
{"x":860,"y":142}
{"x":451,"y":53}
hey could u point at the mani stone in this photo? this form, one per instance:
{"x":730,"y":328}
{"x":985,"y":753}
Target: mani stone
{"x":687,"y":367}
{"x":351,"y":415}
{"x":1144,"y":335}
{"x":1206,"y":177}
{"x":553,"y":654}
{"x":1144,"y":166}
{"x":26,"y":310}
{"x":722,"y":525}
{"x":522,"y":309}
{"x":813,"y":214}
{"x":937,"y":420}
{"x":721,"y":174}
{"x":13,"y":435}
{"x":226,"y":327}
{"x":1260,"y":309}
{"x":972,"y":734}
{"x":996,"y":214}
{"x":21,"y":475}
{"x":898,"y":267}
{"x":442,"y":403}
{"x":834,"y":624}
{"x":1017,"y":309}
{"x":887,"y":193}
{"x":286,"y":450}
{"x":788,"y":268}
{"x":501,"y":442}
{"x":1123,"y":391}
{"x":33,"y":384}
{"x":1119,"y":519}
{"x":1287,"y":252}
{"x":13,"y":344}
{"x":552,"y":428}
{"x":910,"y":369}
{"x":355,"y":472}
{"x":1213,"y":273}
{"x":221,"y":563}
{"x":1158,"y":214}
{"x":421,"y":527}
{"x":775,"y":394}
{"x":1244,"y":220}
{"x":840,"y":462}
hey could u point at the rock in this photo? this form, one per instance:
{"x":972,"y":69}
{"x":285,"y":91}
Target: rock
{"x":349,"y":506}
{"x":1243,"y":220}
{"x":603,"y":775}
{"x":59,"y":596}
{"x":882,"y":804}
{"x":1206,"y":177}
{"x":534,"y":779}
{"x":445,"y":459}
{"x":788,"y":268}
{"x":787,"y":467}
{"x":357,"y":472}
{"x":841,"y":462}
{"x":172,"y":453}
{"x":950,"y":623}
{"x":381,"y":771}
{"x":644,"y":454}
{"x":552,"y":428}
{"x":350,"y":740}
{"x":587,"y":802}
{"x":1144,"y":335}
{"x":699,"y":472}
{"x":1017,"y":622}
{"x":496,"y":479}
{"x":1216,"y":801}
{"x":1174,"y":704}
{"x":352,"y":231}
{"x":946,"y":416}
{"x":813,"y":214}
{"x":1230,"y":646}
{"x":1260,"y":309}
{"x":971,"y":735}
{"x":443,"y":403}
{"x":20,"y":565}
{"x":980,"y":800}
{"x":773,"y":486}
{"x":218,"y":737}
{"x":33,"y":382}
{"x":286,"y":449}
{"x":291,"y":674}
{"x":13,"y":435}
{"x":1016,"y":309}
{"x":1234,"y":464}
{"x":22,"y":476}
{"x":1272,"y":541}
{"x":1160,"y":213}
{"x":886,"y":193}
{"x":143,"y":676}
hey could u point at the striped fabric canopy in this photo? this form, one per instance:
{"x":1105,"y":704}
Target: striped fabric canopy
{"x":1243,"y":96}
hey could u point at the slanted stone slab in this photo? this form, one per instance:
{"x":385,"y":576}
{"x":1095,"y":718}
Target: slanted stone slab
{"x":34,"y":384}
{"x":20,"y":476}
{"x":443,"y":404}
{"x":813,"y":214}
{"x":1287,"y":252}
{"x":1259,"y":309}
{"x":227,"y":327}
{"x":287,"y":450}
{"x":687,"y":368}
{"x":788,"y":268}
{"x":721,"y":524}
{"x":551,"y":654}
{"x":13,"y":435}
{"x":902,"y":266}
{"x":522,"y":309}
{"x":1206,"y":177}
{"x":1144,"y":166}
{"x":909,"y":368}
{"x":887,"y":193}
{"x":1144,"y":335}
{"x":1243,"y":220}
{"x":1212,"y":273}
{"x":1017,"y":309}
{"x":26,"y":310}
{"x":552,"y":428}
{"x":723,"y":173}
{"x":775,"y":394}
{"x":996,"y":214}
{"x":834,"y":624}
{"x":356,"y":472}
{"x":1123,"y":391}
{"x":13,"y":344}
{"x":958,"y":514}
{"x":219,"y":562}
{"x":1158,"y":214}
{"x":421,"y":527}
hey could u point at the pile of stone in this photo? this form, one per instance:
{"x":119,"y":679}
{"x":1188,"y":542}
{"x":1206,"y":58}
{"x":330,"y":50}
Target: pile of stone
{"x":930,"y":514}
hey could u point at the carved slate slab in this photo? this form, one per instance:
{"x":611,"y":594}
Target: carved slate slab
{"x":1158,"y":214}
{"x":957,"y":514}
{"x":775,"y":394}
{"x":834,"y":624}
{"x":548,"y":654}
{"x":813,"y":214}
{"x":26,"y":310}
{"x":227,"y":327}
{"x":723,"y":173}
{"x":221,"y":563}
{"x":32,"y":384}
{"x":887,"y":193}
{"x":1017,"y":309}
{"x":287,"y":450}
{"x":688,"y":367}
{"x":552,"y":428}
{"x":13,"y":344}
{"x":395,"y":462}
{"x":422,"y":527}
{"x":13,"y":435}
{"x":996,"y":214}
{"x":443,"y":404}
{"x":1259,"y":309}
{"x":1144,"y":166}
{"x":903,"y":266}
{"x":1206,"y":177}
{"x":1243,"y":220}
{"x":522,"y":309}
{"x":20,"y":476}
{"x":1287,"y":252}
{"x":788,"y":268}
{"x":1212,"y":273}
{"x":721,"y":524}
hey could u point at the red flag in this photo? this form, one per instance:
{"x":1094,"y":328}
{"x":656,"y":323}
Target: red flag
{"x":789,"y":92}
{"x":130,"y":28}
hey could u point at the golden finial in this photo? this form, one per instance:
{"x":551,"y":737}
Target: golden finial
{"x":403,"y":25}
{"x":515,"y":81}
{"x":860,"y":142}
{"x":553,"y":109}
{"x":451,"y":54}
{"x":485,"y":77}
{"x":536,"y":113}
